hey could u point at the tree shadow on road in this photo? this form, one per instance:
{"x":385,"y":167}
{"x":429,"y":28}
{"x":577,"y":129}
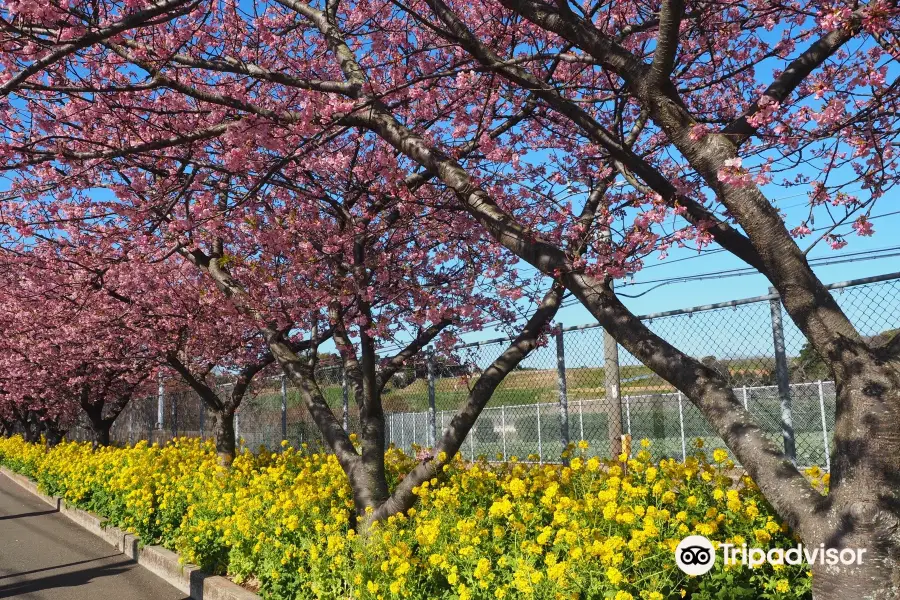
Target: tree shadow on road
{"x":30,"y":514}
{"x":63,"y":580}
{"x":63,"y":566}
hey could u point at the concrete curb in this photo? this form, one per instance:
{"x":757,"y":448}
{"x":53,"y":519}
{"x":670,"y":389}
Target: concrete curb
{"x":163,"y":563}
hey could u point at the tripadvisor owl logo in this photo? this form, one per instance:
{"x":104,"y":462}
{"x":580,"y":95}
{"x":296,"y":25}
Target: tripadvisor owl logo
{"x":695,"y":555}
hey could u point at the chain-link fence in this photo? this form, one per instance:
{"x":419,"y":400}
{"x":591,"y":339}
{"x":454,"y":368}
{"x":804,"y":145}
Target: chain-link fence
{"x":534,"y":431}
{"x":578,"y":386}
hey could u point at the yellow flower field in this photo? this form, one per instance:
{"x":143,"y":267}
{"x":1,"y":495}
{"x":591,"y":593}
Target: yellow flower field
{"x":283,"y":522}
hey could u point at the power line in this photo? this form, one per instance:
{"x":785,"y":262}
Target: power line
{"x":823,"y":261}
{"x":752,"y":270}
{"x":704,"y":253}
{"x":663,"y":263}
{"x":819,"y":262}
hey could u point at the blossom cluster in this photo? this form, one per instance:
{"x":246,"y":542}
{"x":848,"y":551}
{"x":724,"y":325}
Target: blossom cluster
{"x":283,"y":523}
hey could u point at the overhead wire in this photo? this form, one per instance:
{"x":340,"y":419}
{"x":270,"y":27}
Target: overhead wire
{"x":822,"y":261}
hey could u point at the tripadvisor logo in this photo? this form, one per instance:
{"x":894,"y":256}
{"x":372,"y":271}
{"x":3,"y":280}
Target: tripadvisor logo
{"x":696,"y":555}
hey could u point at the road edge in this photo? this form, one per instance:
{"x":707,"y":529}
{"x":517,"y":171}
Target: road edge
{"x":163,"y":563}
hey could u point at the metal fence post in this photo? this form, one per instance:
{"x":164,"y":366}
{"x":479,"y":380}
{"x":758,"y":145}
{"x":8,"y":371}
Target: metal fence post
{"x":681,"y":422}
{"x":390,"y":428}
{"x":746,"y":407}
{"x":824,"y":428}
{"x":783,"y":377}
{"x":174,"y":416}
{"x":628,"y":412}
{"x":502,"y":428}
{"x":237,"y":427}
{"x":345,"y":400}
{"x":540,"y":441}
{"x":581,"y":419}
{"x":612,"y":385}
{"x":202,"y":417}
{"x":283,"y":407}
{"x":563,"y":397}
{"x":160,"y":402}
{"x":432,"y":409}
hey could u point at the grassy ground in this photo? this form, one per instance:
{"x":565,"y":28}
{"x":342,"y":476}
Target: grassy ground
{"x":527,"y":386}
{"x":657,"y":418}
{"x":520,"y":387}
{"x":530,"y":386}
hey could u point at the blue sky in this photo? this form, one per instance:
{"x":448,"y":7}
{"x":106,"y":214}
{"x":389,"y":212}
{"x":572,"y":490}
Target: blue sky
{"x":727,"y":333}
{"x":730,"y":333}
{"x":682,"y":295}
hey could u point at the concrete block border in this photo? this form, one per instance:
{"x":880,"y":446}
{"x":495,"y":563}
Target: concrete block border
{"x":163,"y":563}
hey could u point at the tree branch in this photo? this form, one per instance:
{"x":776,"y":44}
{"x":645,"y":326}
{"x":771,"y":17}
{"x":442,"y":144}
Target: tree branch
{"x":402,"y":498}
{"x":782,"y":483}
{"x":808,"y":303}
{"x":696,"y":213}
{"x":798,"y":70}
{"x":132,"y":21}
{"x":297,"y":371}
{"x":423,"y":339}
{"x":667,"y":41}
{"x":209,"y":396}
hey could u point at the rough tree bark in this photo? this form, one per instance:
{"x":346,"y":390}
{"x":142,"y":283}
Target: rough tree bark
{"x":100,"y":411}
{"x":222,"y":409}
{"x":224,"y":435}
{"x":402,"y":499}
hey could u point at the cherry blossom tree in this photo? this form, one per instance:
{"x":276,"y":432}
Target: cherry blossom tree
{"x":500,"y":118}
{"x":337,"y":255}
{"x":70,"y":352}
{"x":204,"y":361}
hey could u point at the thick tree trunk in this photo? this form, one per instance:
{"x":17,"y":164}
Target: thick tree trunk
{"x":369,"y":485}
{"x":876,"y":577}
{"x":32,"y":426}
{"x":101,"y":433}
{"x":461,"y":425}
{"x":99,"y":426}
{"x":369,"y":482}
{"x":226,"y":444}
{"x":864,"y":502}
{"x":53,"y":433}
{"x":221,"y":410}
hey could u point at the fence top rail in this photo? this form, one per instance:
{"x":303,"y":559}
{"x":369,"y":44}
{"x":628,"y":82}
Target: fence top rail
{"x":669,"y":313}
{"x":705,"y":307}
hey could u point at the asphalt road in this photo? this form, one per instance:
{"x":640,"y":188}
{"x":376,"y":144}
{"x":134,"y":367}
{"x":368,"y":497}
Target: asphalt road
{"x":43,"y":556}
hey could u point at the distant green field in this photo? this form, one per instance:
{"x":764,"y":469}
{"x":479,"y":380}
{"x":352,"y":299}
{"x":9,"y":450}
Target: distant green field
{"x":524,"y":387}
{"x":519,"y":387}
{"x":649,"y":414}
{"x":528,"y":386}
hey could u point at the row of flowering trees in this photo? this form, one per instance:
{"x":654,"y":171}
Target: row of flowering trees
{"x":237,"y":183}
